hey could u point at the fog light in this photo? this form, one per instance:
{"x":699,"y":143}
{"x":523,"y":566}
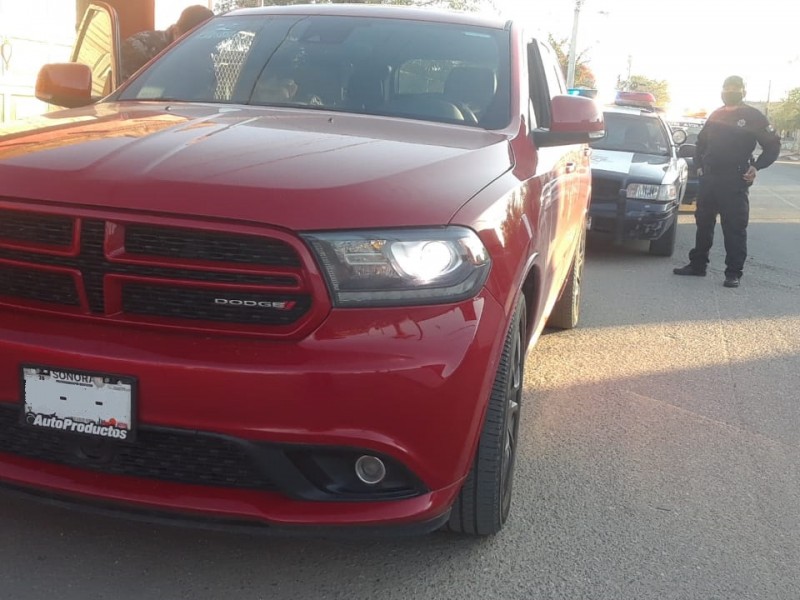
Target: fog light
{"x":370,"y":469}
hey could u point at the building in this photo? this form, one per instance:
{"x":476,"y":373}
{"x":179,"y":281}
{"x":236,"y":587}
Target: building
{"x":36,"y":32}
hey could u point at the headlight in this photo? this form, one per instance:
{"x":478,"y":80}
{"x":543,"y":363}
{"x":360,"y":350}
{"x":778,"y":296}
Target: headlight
{"x":646,"y":191}
{"x":401,"y":267}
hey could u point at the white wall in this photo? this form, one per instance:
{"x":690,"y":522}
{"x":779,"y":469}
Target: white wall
{"x":33,"y":32}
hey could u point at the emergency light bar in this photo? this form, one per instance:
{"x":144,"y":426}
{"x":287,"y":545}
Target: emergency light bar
{"x":638,"y":99}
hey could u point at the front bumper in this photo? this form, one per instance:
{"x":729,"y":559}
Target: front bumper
{"x":408,"y":384}
{"x":630,"y":219}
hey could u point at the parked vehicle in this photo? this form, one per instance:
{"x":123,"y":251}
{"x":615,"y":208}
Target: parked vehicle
{"x":288,"y":274}
{"x":639,"y":174}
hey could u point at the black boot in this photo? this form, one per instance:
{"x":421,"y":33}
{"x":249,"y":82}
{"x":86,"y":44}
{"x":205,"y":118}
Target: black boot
{"x":690,"y":269}
{"x":731,"y":281}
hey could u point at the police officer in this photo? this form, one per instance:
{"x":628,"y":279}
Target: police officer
{"x":726,"y":168}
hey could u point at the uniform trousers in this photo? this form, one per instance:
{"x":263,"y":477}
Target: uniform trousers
{"x":722,"y":192}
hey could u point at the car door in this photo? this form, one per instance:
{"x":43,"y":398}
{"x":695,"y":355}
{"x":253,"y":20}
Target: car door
{"x":98,"y":47}
{"x":567,"y":165}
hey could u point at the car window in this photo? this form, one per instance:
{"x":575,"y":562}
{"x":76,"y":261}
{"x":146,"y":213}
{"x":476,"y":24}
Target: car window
{"x":633,"y":133}
{"x":414,"y":69}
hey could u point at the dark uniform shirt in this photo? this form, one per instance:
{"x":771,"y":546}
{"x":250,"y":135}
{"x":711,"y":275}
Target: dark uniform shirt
{"x":138,"y":49}
{"x":730,"y":135}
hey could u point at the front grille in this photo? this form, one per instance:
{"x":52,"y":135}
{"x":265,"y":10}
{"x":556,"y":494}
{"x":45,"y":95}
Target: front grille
{"x":212,"y":246}
{"x":605,"y":190}
{"x":168,"y":455}
{"x":118,"y":280}
{"x":37,"y":285}
{"x":46,"y":230}
{"x":189,"y":303}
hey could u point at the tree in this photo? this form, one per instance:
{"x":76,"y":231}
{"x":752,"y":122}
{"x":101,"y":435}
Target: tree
{"x":584,"y":77}
{"x":786,"y":116}
{"x":640,"y":83}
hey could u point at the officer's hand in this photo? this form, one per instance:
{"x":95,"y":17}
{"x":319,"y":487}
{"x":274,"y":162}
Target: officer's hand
{"x":750,"y":175}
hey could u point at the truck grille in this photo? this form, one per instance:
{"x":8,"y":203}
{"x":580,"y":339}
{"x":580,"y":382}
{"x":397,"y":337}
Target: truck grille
{"x":198,"y":245}
{"x":170,"y":455}
{"x":137,"y":272}
{"x":38,"y":229}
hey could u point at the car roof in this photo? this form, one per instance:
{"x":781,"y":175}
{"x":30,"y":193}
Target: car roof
{"x":632,"y":110}
{"x":379,"y":11}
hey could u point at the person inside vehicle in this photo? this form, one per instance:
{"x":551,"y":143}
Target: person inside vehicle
{"x":274,"y":90}
{"x":637,"y":138}
{"x":141,"y":47}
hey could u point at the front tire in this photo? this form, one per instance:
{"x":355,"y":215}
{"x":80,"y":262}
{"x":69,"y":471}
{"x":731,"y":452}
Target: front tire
{"x":484,"y":502}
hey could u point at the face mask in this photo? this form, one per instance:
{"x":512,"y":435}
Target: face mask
{"x":732,"y":98}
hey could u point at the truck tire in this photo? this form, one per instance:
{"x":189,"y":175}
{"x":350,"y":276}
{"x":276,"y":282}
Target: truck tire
{"x":483,"y":504}
{"x":665,"y":245}
{"x":567,"y":310}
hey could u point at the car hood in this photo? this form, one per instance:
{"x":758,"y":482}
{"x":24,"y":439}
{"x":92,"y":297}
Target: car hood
{"x":299,"y":169}
{"x":636,"y":166}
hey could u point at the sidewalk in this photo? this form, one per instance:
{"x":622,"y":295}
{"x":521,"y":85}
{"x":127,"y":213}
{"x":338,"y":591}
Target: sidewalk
{"x":789,"y":154}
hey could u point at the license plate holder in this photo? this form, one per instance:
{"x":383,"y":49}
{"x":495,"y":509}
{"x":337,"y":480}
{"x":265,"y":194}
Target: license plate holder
{"x":76,"y":402}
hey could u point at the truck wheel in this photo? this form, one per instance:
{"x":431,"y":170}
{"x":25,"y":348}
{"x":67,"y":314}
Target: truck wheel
{"x":567,"y":310}
{"x":665,"y":245}
{"x":483,"y":504}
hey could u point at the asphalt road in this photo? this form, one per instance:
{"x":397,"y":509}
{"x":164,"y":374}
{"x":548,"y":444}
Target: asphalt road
{"x":661,"y":443}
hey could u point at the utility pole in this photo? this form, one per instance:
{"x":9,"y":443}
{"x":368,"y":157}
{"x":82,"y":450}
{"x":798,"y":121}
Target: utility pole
{"x":769,"y":90}
{"x":572,"y":45}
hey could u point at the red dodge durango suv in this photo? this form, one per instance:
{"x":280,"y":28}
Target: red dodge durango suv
{"x":288,"y":273}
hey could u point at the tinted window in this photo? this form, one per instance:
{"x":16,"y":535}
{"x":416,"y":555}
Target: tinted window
{"x":431,"y":71}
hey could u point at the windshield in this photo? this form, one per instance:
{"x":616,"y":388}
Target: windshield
{"x":633,"y":133}
{"x":422,"y":70}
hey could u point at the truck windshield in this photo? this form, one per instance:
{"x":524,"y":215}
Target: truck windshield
{"x":405,"y":68}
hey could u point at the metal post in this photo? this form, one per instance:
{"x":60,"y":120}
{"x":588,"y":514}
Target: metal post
{"x":572,"y":45}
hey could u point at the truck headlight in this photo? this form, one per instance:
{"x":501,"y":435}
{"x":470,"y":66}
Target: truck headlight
{"x":646,"y":191}
{"x":401,"y":267}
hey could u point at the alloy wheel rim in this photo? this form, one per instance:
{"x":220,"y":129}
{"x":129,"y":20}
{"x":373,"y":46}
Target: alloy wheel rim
{"x":511,"y":429}
{"x":576,"y":289}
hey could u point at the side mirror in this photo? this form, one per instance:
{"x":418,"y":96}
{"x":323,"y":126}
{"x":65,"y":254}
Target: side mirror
{"x":679,"y":136}
{"x":573,"y":120}
{"x":65,"y":84}
{"x":686,"y":151}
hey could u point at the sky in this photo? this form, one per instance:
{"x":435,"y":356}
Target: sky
{"x":692,"y":44}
